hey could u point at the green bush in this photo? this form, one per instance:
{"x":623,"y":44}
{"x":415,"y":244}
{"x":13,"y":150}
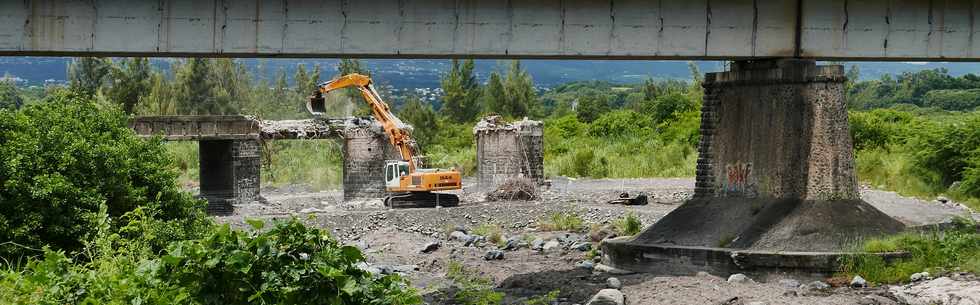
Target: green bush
{"x":621,"y":123}
{"x":881,"y":127}
{"x":628,"y":225}
{"x":63,"y":159}
{"x":952,"y":99}
{"x":289,"y":263}
{"x":948,"y":150}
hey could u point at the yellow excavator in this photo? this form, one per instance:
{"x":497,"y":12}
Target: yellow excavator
{"x":408,"y":184}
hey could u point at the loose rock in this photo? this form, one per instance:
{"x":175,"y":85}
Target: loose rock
{"x":513,"y":243}
{"x":858,"y":282}
{"x":942,"y":291}
{"x":429,"y":247}
{"x":587,"y":265}
{"x":459,"y":235}
{"x":550,"y":246}
{"x":493,"y":255}
{"x":607,"y":297}
{"x":537,"y":244}
{"x":739,"y":278}
{"x":915,"y":277}
{"x":614,"y":283}
{"x":582,"y":246}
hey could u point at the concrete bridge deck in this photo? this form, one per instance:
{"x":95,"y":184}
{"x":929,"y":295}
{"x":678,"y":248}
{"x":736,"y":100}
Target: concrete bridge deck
{"x":238,"y":127}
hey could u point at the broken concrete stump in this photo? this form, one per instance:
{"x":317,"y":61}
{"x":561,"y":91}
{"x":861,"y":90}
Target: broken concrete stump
{"x":775,"y":175}
{"x":508,"y":150}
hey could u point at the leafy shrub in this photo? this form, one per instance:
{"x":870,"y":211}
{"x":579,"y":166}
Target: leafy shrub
{"x":621,"y":123}
{"x":62,"y":159}
{"x":565,"y":127}
{"x":287,"y":264}
{"x":948,"y":150}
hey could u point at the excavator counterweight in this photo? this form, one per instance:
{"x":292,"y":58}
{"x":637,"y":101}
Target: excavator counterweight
{"x":408,"y":184}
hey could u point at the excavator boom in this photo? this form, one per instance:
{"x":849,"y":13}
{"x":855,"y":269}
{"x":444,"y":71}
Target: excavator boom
{"x":412,"y":184}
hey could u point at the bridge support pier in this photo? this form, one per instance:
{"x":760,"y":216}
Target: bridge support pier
{"x":508,"y":150}
{"x":775,"y":173}
{"x":365,"y":150}
{"x":230,"y":173}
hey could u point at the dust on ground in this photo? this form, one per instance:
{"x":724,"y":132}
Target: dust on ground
{"x":392,"y":240}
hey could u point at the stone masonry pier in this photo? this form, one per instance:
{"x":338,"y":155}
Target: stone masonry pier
{"x":507,"y":150}
{"x":775,"y":177}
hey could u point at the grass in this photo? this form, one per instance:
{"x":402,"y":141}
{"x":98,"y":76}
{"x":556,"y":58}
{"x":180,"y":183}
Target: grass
{"x":893,"y":169}
{"x":936,"y":252}
{"x":627,"y":157}
{"x":473,"y":289}
{"x":561,"y":221}
{"x":628,"y":225}
{"x":494,"y":233}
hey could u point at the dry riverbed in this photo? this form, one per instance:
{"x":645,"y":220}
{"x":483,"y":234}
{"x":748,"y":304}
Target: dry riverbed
{"x":422,"y":243}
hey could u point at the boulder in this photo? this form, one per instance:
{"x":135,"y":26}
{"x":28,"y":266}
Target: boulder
{"x":551,"y":245}
{"x":607,"y":297}
{"x":537,"y":244}
{"x":739,"y":278}
{"x":789,"y":283}
{"x":915,"y":277}
{"x":459,"y":236}
{"x":587,"y":265}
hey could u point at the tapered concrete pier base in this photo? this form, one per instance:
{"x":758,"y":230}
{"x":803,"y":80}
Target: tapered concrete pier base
{"x":775,"y":171}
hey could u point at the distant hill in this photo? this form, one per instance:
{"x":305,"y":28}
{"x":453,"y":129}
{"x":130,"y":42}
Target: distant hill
{"x":402,"y":73}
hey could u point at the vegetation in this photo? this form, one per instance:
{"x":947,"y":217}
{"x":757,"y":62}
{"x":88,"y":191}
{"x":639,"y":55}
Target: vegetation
{"x":561,"y":221}
{"x":628,"y":225}
{"x":491,"y":231}
{"x":92,"y":214}
{"x":935,"y":252}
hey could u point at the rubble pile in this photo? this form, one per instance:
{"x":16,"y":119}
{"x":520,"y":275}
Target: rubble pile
{"x":518,"y":188}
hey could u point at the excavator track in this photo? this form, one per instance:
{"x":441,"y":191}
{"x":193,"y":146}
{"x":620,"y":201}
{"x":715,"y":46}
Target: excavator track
{"x":421,"y":200}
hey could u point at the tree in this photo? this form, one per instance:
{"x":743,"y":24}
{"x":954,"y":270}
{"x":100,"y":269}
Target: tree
{"x":194,"y":88}
{"x":494,"y":97}
{"x":130,"y":82}
{"x":521,"y":99}
{"x":460,"y":91}
{"x":422,"y":117}
{"x":89,"y":74}
{"x":590,"y":106}
{"x":161,"y":99}
{"x":9,"y":98}
{"x":66,"y":160}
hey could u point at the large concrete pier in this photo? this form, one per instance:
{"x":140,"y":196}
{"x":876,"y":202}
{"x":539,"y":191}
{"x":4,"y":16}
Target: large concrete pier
{"x":775,"y":178}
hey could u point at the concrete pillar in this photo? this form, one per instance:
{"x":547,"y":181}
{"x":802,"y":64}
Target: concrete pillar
{"x":508,"y":150}
{"x":366,"y":148}
{"x":230,"y":173}
{"x":776,"y":129}
{"x":775,"y":173}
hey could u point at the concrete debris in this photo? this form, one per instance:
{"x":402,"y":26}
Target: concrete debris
{"x":429,"y":247}
{"x":613,"y":283}
{"x":607,"y":297}
{"x":816,"y":288}
{"x":941,"y":291}
{"x":739,"y":278}
{"x":303,"y":129}
{"x":518,"y":188}
{"x":609,"y":269}
{"x":858,"y":282}
{"x":493,"y":255}
{"x":915,"y":277}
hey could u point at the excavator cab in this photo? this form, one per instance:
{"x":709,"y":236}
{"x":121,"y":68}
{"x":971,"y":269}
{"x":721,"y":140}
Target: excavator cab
{"x":394,"y":170}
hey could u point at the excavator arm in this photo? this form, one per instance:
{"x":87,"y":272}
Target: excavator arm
{"x":398,"y":133}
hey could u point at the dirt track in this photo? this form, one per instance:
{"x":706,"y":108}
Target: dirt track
{"x":392,"y":239}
